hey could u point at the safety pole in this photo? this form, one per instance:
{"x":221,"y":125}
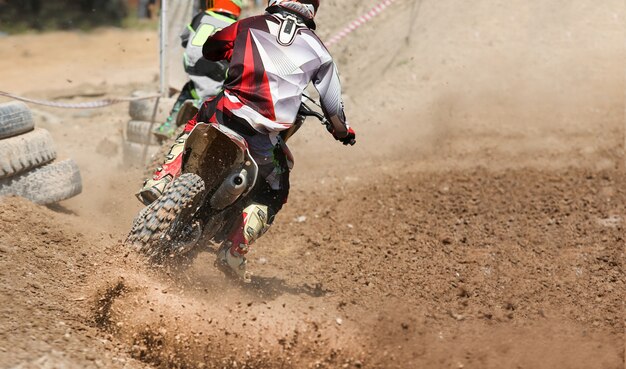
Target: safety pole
{"x":164,"y":36}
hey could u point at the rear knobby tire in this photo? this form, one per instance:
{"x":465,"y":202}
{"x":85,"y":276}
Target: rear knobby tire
{"x":45,"y":185}
{"x":24,"y":152}
{"x":15,"y":119}
{"x":164,"y":229}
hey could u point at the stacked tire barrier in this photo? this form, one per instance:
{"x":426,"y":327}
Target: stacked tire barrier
{"x":140,"y":144}
{"x":27,"y":160}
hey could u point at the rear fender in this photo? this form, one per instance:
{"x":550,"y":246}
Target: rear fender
{"x":216,"y":153}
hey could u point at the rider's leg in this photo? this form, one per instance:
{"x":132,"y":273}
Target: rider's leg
{"x":268,"y":198}
{"x":172,"y":166}
{"x":253,"y":224}
{"x":164,"y":174}
{"x":167,"y":129}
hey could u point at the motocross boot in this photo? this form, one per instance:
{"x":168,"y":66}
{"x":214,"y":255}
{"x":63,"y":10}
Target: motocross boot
{"x":232,"y":263}
{"x":165,"y":174}
{"x":231,"y":256}
{"x":165,"y":130}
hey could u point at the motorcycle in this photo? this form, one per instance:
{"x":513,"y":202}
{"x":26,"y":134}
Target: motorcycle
{"x":206,"y":200}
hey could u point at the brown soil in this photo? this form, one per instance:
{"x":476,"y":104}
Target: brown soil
{"x":478,"y":223}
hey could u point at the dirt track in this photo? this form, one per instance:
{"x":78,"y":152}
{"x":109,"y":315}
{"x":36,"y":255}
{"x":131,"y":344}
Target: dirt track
{"x":478,"y":223}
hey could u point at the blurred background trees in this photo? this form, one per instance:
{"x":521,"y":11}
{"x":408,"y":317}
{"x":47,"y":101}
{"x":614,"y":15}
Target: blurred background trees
{"x":19,"y":15}
{"x":23,"y":15}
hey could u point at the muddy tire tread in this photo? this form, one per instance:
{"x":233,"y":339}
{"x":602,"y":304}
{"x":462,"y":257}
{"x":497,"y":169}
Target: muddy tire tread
{"x":152,"y":224}
{"x":141,"y":132}
{"x":15,"y":119}
{"x":143,"y":109}
{"x":21,"y":153}
{"x":47,"y":184}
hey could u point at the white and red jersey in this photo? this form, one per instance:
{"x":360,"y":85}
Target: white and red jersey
{"x":273,"y":58}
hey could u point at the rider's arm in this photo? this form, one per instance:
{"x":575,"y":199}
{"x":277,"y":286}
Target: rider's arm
{"x":191,"y":27}
{"x":184,"y":36}
{"x":328,"y":85}
{"x":220,"y":46}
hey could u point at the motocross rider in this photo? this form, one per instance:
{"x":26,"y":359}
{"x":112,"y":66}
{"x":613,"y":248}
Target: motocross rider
{"x":273,"y":57}
{"x":206,"y":77}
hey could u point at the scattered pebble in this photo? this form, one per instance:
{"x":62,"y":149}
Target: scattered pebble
{"x":458,"y":317}
{"x":610,"y":222}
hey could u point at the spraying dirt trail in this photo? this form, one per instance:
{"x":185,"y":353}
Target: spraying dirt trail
{"x":494,"y":266}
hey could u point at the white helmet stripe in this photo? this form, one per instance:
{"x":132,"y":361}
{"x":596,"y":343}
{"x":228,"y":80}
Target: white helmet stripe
{"x":307,"y":10}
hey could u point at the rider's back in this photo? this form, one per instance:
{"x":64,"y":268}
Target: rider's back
{"x":207,"y":76}
{"x":273,"y":57}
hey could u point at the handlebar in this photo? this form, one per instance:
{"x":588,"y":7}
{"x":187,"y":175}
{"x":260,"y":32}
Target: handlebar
{"x":306,"y":111}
